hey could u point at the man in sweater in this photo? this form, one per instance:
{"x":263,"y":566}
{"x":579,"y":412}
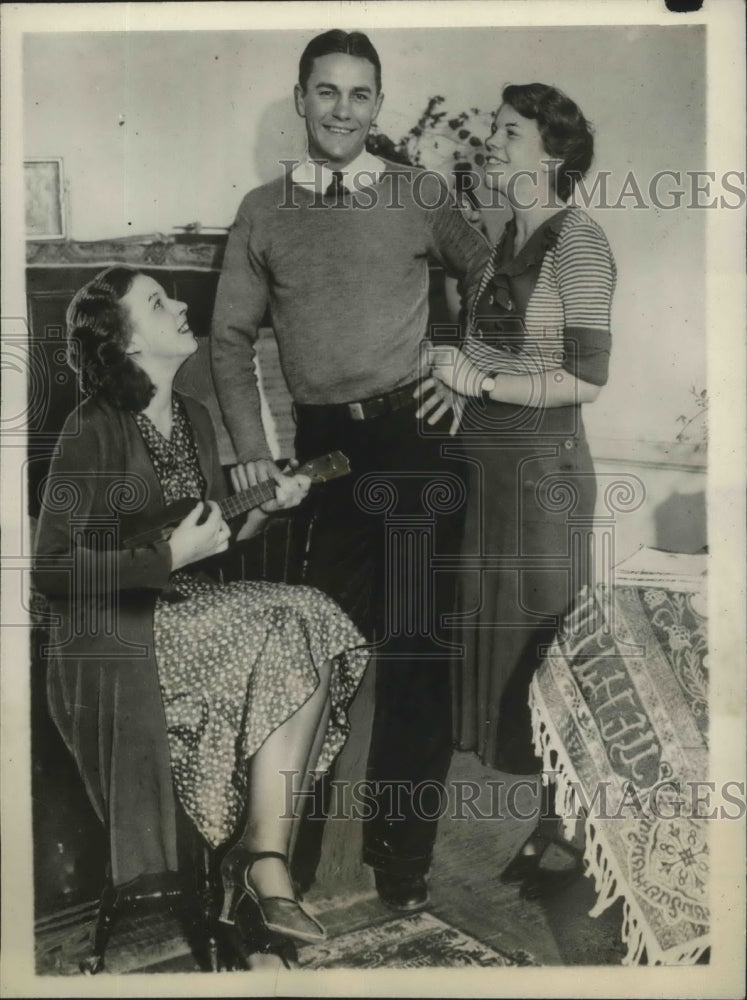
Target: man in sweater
{"x":338,"y":249}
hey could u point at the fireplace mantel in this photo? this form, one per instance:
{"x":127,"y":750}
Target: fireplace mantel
{"x":157,"y":250}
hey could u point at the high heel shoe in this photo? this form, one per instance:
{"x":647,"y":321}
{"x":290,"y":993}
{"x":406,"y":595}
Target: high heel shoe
{"x":282,"y":948}
{"x":524,"y":865}
{"x":544,"y":881}
{"x":279,"y":914}
{"x":248,"y":938}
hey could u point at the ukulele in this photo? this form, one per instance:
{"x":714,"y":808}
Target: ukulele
{"x":157,"y":528}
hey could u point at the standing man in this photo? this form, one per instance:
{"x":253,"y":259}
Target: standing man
{"x":338,"y":249}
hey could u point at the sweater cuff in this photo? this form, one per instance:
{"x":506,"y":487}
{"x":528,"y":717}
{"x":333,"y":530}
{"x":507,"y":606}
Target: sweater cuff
{"x":164,"y":562}
{"x":253,"y":454}
{"x":586,"y":353}
{"x":151,"y":569}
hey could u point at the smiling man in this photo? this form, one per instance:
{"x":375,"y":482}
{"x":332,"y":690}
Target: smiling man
{"x":339,"y":96}
{"x":343,"y":266}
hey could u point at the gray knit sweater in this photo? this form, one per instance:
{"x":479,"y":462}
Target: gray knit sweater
{"x":347,"y":287}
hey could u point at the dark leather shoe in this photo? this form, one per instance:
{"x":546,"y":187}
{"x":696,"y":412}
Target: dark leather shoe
{"x":403,"y":893}
{"x":521,"y":867}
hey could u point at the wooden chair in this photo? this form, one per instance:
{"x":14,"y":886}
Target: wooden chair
{"x":193,"y":896}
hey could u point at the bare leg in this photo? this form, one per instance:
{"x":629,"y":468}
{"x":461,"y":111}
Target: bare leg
{"x":310,"y":765}
{"x":258,"y":960}
{"x":270,"y":819}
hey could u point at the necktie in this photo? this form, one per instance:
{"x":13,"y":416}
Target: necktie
{"x":336,"y":188}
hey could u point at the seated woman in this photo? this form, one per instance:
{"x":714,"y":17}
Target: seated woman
{"x":162,"y":679}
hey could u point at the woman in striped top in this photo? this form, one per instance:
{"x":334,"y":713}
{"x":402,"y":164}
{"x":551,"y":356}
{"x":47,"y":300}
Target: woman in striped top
{"x":536,"y":349}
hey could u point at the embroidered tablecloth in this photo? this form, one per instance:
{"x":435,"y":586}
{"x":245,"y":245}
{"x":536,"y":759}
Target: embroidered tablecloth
{"x":620,"y":717}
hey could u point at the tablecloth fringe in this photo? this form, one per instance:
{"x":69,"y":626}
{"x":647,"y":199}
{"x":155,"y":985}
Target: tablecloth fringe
{"x":606,"y":883}
{"x":632,"y":936}
{"x":596,"y":862}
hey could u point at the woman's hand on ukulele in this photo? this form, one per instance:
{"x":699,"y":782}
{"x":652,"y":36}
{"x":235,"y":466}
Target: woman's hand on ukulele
{"x":190,"y":542}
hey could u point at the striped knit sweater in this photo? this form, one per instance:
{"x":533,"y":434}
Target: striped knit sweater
{"x":567,"y":316}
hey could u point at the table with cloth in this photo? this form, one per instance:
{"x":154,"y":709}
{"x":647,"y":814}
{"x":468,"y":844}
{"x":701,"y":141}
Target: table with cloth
{"x":620,"y":718}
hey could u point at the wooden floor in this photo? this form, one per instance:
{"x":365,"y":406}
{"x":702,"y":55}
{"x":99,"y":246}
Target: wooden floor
{"x":467,"y":893}
{"x":470,"y":854}
{"x":465,"y":888}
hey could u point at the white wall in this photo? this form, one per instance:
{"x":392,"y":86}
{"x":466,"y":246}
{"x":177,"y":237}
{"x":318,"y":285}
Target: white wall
{"x":161,"y":129}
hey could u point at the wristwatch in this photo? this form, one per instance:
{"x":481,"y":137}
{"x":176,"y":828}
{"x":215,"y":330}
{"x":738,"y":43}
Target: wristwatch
{"x":488,"y":384}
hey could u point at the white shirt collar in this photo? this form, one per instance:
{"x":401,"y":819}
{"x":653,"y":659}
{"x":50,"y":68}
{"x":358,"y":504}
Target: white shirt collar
{"x":363,"y":172}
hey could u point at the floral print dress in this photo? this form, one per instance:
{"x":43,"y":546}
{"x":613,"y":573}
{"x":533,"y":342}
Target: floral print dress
{"x":236,"y":660}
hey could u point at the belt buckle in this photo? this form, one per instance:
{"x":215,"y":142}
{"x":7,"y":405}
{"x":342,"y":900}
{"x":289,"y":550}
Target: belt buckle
{"x":356,"y":411}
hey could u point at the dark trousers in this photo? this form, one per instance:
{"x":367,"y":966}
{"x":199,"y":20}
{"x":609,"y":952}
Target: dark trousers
{"x":374,"y":537}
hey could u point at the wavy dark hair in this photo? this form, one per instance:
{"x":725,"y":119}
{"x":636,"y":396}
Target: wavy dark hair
{"x":98,"y":334}
{"x":349,"y":43}
{"x":566,"y":135}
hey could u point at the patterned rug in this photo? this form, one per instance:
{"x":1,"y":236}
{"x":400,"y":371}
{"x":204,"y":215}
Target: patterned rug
{"x":416,"y":941}
{"x":620,"y":711}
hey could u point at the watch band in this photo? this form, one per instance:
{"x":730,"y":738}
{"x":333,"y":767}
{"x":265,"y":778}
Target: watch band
{"x":488,"y":384}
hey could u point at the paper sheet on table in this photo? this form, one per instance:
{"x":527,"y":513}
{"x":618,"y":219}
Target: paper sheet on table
{"x":675,"y":571}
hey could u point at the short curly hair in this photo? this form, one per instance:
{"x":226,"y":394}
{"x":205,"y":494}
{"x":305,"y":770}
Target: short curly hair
{"x":98,"y":334}
{"x":566,"y":134}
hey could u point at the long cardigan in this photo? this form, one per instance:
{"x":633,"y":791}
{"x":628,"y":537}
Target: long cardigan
{"x":102,"y":679}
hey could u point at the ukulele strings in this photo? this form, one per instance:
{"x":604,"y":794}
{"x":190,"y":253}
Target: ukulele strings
{"x":234,"y":505}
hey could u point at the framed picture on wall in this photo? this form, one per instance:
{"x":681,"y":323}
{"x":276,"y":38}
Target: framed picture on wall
{"x":45,"y":198}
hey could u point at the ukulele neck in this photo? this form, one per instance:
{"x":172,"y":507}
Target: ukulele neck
{"x":239,"y":503}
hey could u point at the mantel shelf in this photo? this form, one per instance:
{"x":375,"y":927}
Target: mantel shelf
{"x":144,"y":251}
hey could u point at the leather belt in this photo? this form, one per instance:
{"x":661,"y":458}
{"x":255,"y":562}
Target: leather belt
{"x":367,"y":409}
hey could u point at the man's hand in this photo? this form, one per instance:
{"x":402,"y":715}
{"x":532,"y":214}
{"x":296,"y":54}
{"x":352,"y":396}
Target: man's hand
{"x":438,"y":402}
{"x":290,"y":490}
{"x":436,"y":393}
{"x":248,"y":474}
{"x":456,"y":371}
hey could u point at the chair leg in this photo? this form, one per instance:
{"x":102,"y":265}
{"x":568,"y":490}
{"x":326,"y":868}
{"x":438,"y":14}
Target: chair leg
{"x":199,"y":911}
{"x":108,"y":913}
{"x":145,"y":892}
{"x":217,"y":947}
{"x":208,"y":906}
